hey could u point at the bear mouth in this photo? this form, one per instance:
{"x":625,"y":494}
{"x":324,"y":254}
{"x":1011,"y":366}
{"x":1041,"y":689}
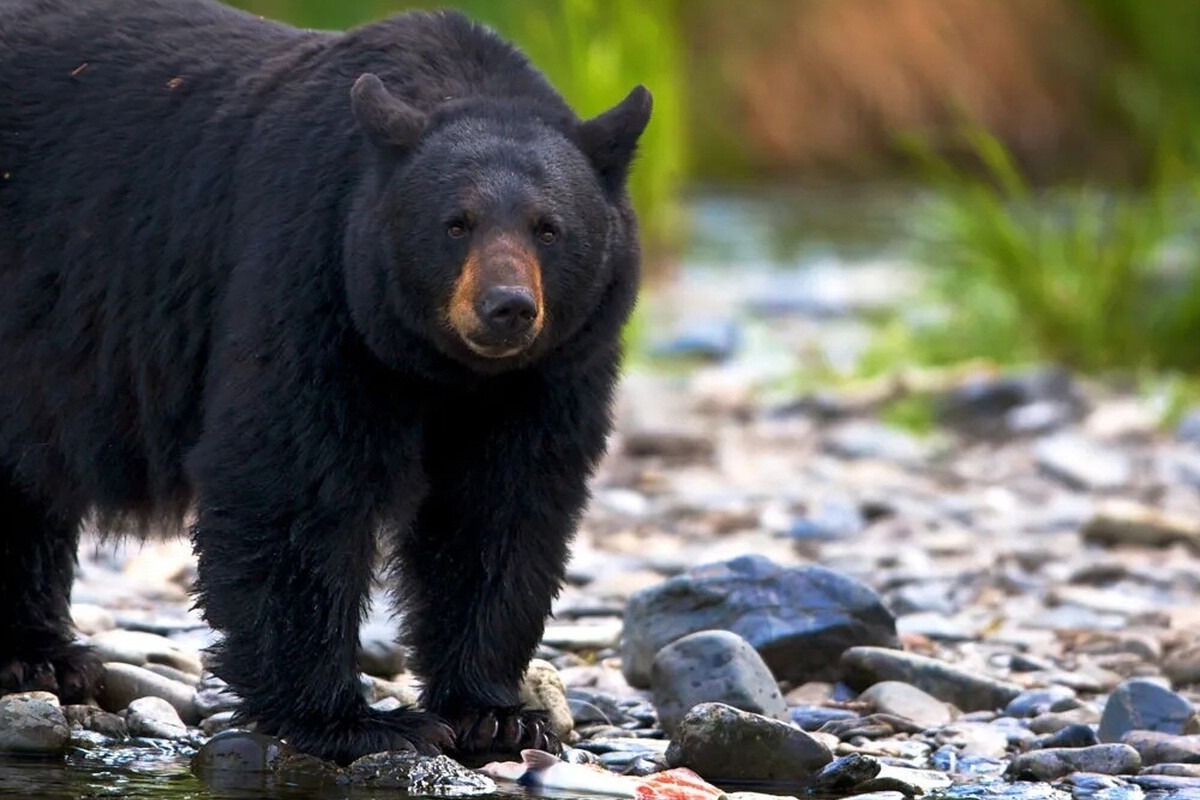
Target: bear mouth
{"x":496,"y":350}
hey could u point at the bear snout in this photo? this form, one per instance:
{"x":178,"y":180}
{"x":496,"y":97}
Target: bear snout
{"x":496,"y":307}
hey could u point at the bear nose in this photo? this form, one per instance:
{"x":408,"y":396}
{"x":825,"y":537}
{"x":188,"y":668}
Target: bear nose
{"x":507,"y":310}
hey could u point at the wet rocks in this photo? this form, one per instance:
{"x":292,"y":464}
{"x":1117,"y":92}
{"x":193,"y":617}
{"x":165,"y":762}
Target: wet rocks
{"x":712,"y":666}
{"x":722,"y":743}
{"x":1143,"y":705}
{"x":864,"y":666}
{"x":799,"y":619}
{"x":32,"y":723}
{"x":155,"y":717}
{"x":1053,"y":763}
{"x":995,"y":406}
{"x":430,"y":776}
{"x":124,"y":683}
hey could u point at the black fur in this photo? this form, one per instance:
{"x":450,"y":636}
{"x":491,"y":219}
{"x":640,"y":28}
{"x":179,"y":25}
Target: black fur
{"x":218,"y":288}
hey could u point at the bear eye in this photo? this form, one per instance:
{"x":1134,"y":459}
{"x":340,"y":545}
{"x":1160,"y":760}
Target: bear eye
{"x":546,"y":233}
{"x":456,"y":229}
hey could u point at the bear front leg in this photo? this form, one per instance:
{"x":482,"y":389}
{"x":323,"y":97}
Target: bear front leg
{"x":286,"y":545}
{"x":508,"y":480}
{"x":289,"y":599}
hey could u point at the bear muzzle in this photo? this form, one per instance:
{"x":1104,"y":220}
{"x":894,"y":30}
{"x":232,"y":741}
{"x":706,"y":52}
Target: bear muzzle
{"x":496,"y":307}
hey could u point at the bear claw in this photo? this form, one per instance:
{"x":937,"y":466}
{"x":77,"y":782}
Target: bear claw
{"x":505,"y":731}
{"x":70,"y":671}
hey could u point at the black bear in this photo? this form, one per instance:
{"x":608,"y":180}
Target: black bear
{"x":336,"y":293}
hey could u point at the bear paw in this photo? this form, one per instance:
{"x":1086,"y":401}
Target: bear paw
{"x":505,"y":730}
{"x":71,"y":671}
{"x":375,"y":732}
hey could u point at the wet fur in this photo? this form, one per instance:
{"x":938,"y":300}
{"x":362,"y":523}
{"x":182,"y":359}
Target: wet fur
{"x":188,"y":316}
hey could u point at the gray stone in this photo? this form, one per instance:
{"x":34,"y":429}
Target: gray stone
{"x":864,"y":666}
{"x":139,"y":648}
{"x":124,"y":683}
{"x":712,"y":667}
{"x":875,"y":440}
{"x":1159,"y":748}
{"x":433,"y":776}
{"x":799,"y":619}
{"x":1143,"y":705}
{"x":1072,"y":736}
{"x":543,"y":689}
{"x":97,"y":720}
{"x":841,"y":775}
{"x":1082,"y":463}
{"x":1182,"y":666}
{"x":1054,"y":763}
{"x":1054,"y":721}
{"x":992,"y":406}
{"x":155,"y":718}
{"x":1175,"y":787}
{"x":1177,"y":770}
{"x":1032,"y":702}
{"x":32,"y":723}
{"x":237,"y":752}
{"x":722,"y":743}
{"x":904,"y":700}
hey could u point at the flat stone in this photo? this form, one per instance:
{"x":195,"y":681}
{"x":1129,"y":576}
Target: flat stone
{"x":864,"y":666}
{"x":1159,"y":748}
{"x":139,"y":648}
{"x":32,"y":723}
{"x":124,"y":683}
{"x":1125,"y":522}
{"x":1168,"y":768}
{"x":1143,"y":705}
{"x":1054,"y":763}
{"x":905,"y":700}
{"x":584,"y":636}
{"x":722,"y":743}
{"x":712,"y":667}
{"x":1032,"y":702}
{"x":1082,"y":463}
{"x":799,"y":619}
{"x":156,"y":718}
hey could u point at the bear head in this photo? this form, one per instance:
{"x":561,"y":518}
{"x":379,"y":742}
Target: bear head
{"x":488,"y":231}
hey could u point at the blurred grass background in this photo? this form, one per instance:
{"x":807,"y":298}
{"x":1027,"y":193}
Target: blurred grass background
{"x":1056,"y":144}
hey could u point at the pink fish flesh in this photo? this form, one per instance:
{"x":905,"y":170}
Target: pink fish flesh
{"x":538,"y":769}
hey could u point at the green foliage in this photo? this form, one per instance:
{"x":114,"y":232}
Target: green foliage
{"x":1155,"y":74}
{"x":593,"y":51}
{"x":1078,"y":276}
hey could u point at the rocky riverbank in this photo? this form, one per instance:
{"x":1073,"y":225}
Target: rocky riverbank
{"x":784,"y":593}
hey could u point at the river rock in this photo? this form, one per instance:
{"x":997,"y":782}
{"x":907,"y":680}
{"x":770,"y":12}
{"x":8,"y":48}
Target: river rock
{"x":905,"y":700}
{"x":841,"y":775}
{"x":712,"y":666}
{"x":864,"y":666}
{"x":1032,"y":702}
{"x":431,"y":776}
{"x":97,"y":720}
{"x":722,"y":743}
{"x":800,"y":619}
{"x":124,"y":683}
{"x":1182,"y":666}
{"x":990,"y":406}
{"x":32,"y":723}
{"x":140,"y":648}
{"x":154,"y":717}
{"x":1054,"y":763}
{"x":1156,"y":747}
{"x":1082,"y":463}
{"x":1143,"y":705}
{"x":1126,"y":522}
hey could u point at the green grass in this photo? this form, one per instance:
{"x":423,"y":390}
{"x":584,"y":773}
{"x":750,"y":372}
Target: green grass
{"x":1078,"y":276}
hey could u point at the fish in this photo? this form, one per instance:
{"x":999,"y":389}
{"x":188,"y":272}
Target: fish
{"x":539,"y":769}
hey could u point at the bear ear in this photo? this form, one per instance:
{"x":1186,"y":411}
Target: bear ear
{"x":388,"y":121}
{"x":610,"y":139}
